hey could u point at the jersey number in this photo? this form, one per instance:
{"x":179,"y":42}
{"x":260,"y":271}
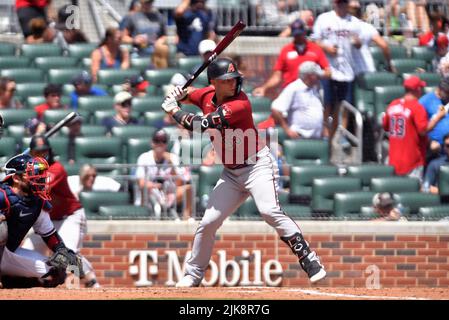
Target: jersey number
{"x":397,"y":127}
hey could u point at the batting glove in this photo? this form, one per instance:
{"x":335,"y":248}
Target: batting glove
{"x":169,"y":104}
{"x":178,"y":93}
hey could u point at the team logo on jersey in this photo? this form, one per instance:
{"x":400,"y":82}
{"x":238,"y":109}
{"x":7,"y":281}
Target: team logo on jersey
{"x":231,"y":68}
{"x":226,"y":110}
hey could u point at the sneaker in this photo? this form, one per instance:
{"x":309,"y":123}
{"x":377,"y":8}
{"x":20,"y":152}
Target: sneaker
{"x":187,"y":282}
{"x":313,"y":267}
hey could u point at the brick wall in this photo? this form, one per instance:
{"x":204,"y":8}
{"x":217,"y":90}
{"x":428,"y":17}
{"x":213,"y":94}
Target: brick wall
{"x":402,"y":259}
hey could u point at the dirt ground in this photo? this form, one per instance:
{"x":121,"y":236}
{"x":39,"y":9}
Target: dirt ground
{"x":238,"y":293}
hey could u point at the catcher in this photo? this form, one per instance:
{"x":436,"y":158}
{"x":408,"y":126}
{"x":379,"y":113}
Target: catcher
{"x":24,"y":204}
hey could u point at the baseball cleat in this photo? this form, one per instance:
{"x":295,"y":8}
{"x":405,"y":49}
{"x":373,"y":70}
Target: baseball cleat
{"x":187,"y":282}
{"x":313,"y":267}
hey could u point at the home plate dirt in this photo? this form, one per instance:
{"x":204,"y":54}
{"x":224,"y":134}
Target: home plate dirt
{"x":237,"y":293}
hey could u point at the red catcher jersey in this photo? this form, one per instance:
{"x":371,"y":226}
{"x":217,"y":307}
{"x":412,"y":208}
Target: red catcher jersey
{"x":404,"y":120}
{"x":240,"y":141}
{"x":289,"y":60}
{"x":62,"y":200}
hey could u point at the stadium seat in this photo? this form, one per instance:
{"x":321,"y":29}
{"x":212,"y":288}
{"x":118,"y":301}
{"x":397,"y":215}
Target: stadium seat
{"x":443,"y":182}
{"x":81,"y":50}
{"x":59,"y":145}
{"x":63,"y":76}
{"x":431,"y":79}
{"x":7,"y":149}
{"x":160,"y":77}
{"x":384,"y":95}
{"x":187,"y":64}
{"x":110,"y":77}
{"x":260,"y":116}
{"x":135,"y":147}
{"x":124,"y":212}
{"x":193,"y":149}
{"x":7,"y":62}
{"x":99,"y":115}
{"x":88,"y":130}
{"x":247,"y":210}
{"x":23,"y":75}
{"x":423,"y":53}
{"x":85,"y":63}
{"x":408,"y":65}
{"x":324,"y":189}
{"x":25,"y":90}
{"x":148,"y":103}
{"x":98,"y":150}
{"x":368,"y":171}
{"x":413,"y":201}
{"x":260,"y":104}
{"x":133,"y":131}
{"x":306,"y":151}
{"x":53,"y":116}
{"x":7,"y":49}
{"x":394,"y":184}
{"x":47,"y":63}
{"x":208,"y":177}
{"x":33,"y":101}
{"x":348,"y":204}
{"x":93,"y":200}
{"x":16,"y":131}
{"x":398,"y":52}
{"x":154,"y":118}
{"x":201,"y":81}
{"x":16,"y":116}
{"x":301,"y":177}
{"x":40,"y":50}
{"x":434,"y":212}
{"x":72,"y":169}
{"x":95,"y":103}
{"x":142,"y":64}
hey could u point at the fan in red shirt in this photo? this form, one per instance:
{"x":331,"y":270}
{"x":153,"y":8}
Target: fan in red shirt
{"x":52,"y":94}
{"x":67,"y":213}
{"x":29,"y":9}
{"x":406,"y":122}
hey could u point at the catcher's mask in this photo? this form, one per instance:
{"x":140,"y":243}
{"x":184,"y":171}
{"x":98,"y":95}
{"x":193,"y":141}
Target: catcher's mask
{"x":35,"y":171}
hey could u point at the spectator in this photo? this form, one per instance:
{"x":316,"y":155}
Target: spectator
{"x":145,"y":30}
{"x":194,"y":22}
{"x":34,"y":126}
{"x":291,"y":56}
{"x":123,"y":117}
{"x":433,"y":103}
{"x":83,"y":87}
{"x":7,"y":91}
{"x":406,"y":122}
{"x":74,"y":127}
{"x":159,"y":174}
{"x":298,"y":109}
{"x":37,"y":28}
{"x":52,"y":94}
{"x":205,"y":49}
{"x":109,"y":55}
{"x":386,"y":208}
{"x":363,"y":60}
{"x":412,"y":17}
{"x":136,"y":85}
{"x":337,"y":33}
{"x":134,"y":7}
{"x":89,"y":180}
{"x":433,"y":169}
{"x":29,"y":9}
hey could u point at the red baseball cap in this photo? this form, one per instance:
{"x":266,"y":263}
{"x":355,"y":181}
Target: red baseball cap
{"x":442,"y":41}
{"x":413,"y":83}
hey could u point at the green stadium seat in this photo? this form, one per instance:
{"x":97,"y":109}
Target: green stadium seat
{"x":41,"y":50}
{"x":7,"y":62}
{"x":86,"y":63}
{"x":193,"y":149}
{"x":247,"y":210}
{"x":147,"y":103}
{"x":154,"y":118}
{"x":397,"y":52}
{"x":413,"y":201}
{"x":98,"y":150}
{"x":81,"y":50}
{"x":142,"y":64}
{"x":301,"y":177}
{"x":7,"y":49}
{"x":434,"y":212}
{"x":306,"y":151}
{"x":16,"y":116}
{"x":72,"y":169}
{"x":384,"y":95}
{"x":160,"y":77}
{"x":110,"y":77}
{"x":16,"y":131}
{"x":201,"y":81}
{"x":260,"y":116}
{"x":208,"y":177}
{"x":443,"y":182}
{"x":53,"y":116}
{"x":93,"y":200}
{"x":368,"y":171}
{"x":7,"y":149}
{"x":47,"y":63}
{"x":133,"y":131}
{"x":23,"y":75}
{"x":99,"y":115}
{"x":423,"y":53}
{"x":63,"y":76}
{"x":394,"y":184}
{"x":58,"y":144}
{"x":33,"y":101}
{"x":188,"y":63}
{"x":124,"y":212}
{"x":95,"y":103}
{"x":135,"y":147}
{"x":408,"y":65}
{"x":431,"y":79}
{"x":25,"y":90}
{"x":88,"y":130}
{"x":324,"y":189}
{"x":349,"y":204}
{"x":260,"y":104}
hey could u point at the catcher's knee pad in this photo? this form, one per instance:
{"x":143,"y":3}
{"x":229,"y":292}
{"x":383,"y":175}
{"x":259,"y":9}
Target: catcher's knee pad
{"x":3,"y":233}
{"x":298,"y":244}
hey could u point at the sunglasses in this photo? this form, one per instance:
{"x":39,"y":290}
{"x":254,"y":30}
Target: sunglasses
{"x":160,"y":141}
{"x":126,"y":104}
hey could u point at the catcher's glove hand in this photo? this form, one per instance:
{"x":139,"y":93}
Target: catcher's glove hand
{"x":64,"y":258}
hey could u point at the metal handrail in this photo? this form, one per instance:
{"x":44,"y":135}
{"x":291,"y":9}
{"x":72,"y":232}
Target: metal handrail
{"x":97,"y":19}
{"x":110,"y":9}
{"x":356,"y":139}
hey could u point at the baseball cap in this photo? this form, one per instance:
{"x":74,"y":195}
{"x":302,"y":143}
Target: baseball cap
{"x":121,"y":97}
{"x":442,"y":41}
{"x":413,"y":83}
{"x":83,"y":77}
{"x":205,"y":46}
{"x":138,"y":82}
{"x":308,"y":67}
{"x":383,"y":200}
{"x":160,"y":136}
{"x":39,"y":143}
{"x":298,"y":28}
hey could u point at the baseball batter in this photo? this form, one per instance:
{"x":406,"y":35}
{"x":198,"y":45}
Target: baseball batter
{"x":249,"y":168}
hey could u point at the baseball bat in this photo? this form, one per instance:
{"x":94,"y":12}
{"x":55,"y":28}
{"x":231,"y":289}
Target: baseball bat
{"x":223,"y":44}
{"x":67,"y":119}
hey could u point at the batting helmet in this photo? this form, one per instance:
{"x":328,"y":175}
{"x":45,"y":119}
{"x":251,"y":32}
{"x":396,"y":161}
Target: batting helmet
{"x":223,"y":69}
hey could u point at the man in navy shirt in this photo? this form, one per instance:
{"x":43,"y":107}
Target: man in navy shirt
{"x":83,"y":87}
{"x":123,"y":117}
{"x":433,"y":169}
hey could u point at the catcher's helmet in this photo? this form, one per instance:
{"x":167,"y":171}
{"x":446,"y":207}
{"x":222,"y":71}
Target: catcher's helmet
{"x":35,"y":169}
{"x":223,"y":69}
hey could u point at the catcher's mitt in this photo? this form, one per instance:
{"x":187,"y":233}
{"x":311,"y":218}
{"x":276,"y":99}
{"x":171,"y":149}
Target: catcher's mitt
{"x":64,"y":258}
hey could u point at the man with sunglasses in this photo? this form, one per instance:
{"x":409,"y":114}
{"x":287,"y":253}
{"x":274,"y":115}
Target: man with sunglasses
{"x":432,"y":172}
{"x":123,"y":116}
